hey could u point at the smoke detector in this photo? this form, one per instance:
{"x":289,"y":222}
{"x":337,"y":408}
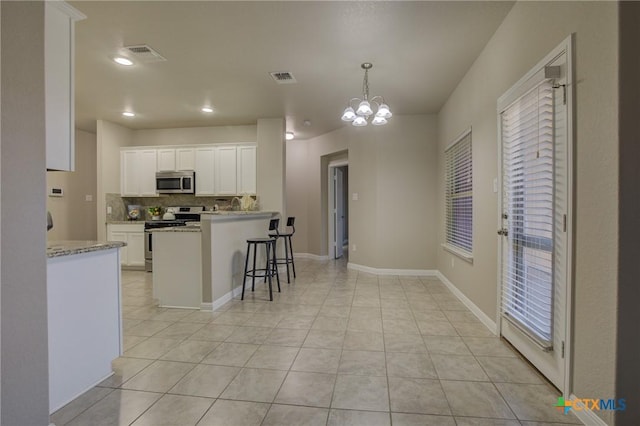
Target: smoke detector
{"x":283,"y":77}
{"x":144,"y":53}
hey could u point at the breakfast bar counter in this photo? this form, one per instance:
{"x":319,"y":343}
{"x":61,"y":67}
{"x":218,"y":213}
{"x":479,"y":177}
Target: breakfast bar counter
{"x":224,"y":242}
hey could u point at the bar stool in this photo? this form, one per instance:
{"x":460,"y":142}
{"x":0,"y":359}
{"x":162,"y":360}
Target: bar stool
{"x":288,"y":247}
{"x":271,"y":267}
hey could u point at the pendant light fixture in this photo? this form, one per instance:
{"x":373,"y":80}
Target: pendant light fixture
{"x":360,"y":116}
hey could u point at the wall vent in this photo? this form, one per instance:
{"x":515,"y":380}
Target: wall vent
{"x":145,"y":53}
{"x":283,"y":77}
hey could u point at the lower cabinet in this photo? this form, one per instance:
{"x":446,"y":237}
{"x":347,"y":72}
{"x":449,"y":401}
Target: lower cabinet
{"x":133,"y":235}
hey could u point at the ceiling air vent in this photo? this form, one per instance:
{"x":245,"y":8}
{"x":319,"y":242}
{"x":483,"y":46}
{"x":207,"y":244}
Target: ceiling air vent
{"x":144,"y":53}
{"x":283,"y":77}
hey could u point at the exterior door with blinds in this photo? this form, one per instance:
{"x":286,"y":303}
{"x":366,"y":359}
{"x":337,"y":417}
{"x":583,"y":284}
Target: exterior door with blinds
{"x":534,"y":127}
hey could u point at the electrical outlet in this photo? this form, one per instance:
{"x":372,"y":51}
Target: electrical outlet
{"x":354,"y":247}
{"x":355,"y":196}
{"x":108,"y":209}
{"x":88,"y":197}
{"x":452,"y":262}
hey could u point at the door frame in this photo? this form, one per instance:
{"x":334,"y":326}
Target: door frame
{"x":567,"y":45}
{"x":331,"y":205}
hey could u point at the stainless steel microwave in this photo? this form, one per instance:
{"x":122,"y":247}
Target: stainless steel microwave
{"x":183,"y":182}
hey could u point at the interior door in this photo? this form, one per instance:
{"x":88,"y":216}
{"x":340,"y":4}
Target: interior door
{"x":338,"y":238}
{"x":535,"y":202}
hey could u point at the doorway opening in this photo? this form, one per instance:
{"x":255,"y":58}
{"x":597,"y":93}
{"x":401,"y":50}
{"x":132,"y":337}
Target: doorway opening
{"x":338,"y":209}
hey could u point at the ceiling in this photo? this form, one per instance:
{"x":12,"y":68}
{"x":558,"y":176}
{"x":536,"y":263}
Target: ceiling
{"x":221,"y":53}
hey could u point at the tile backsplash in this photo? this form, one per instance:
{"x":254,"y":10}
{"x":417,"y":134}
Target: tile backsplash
{"x":119,"y":204}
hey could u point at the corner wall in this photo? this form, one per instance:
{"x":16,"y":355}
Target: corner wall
{"x":110,"y":138}
{"x":528,"y":33}
{"x":25,"y":365}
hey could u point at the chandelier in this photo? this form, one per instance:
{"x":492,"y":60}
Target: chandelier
{"x":360,"y":116}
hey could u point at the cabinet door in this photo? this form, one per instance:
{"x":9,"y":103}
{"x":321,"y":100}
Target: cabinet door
{"x":166,"y":160}
{"x":122,"y":237}
{"x":135,"y":248}
{"x":129,"y":182}
{"x":204,"y":167}
{"x":147,"y":173}
{"x":226,"y":170}
{"x":59,"y":20}
{"x":185,"y":159}
{"x":246,"y":170}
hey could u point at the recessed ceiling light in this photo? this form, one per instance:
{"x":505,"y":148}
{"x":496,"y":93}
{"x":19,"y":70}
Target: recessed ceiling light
{"x":122,"y":60}
{"x":128,"y":114}
{"x":207,"y":109}
{"x":289,"y":135}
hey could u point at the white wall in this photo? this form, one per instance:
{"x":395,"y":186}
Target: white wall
{"x":527,"y":34}
{"x":74,"y":217}
{"x":195,"y":135}
{"x":271,"y":165}
{"x":393,"y":170}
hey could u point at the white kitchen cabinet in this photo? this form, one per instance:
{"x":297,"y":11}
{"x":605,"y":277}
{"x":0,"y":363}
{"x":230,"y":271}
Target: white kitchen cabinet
{"x":59,"y":22}
{"x":246,"y":179}
{"x":138,"y":173}
{"x":166,"y":160}
{"x":132,"y":234}
{"x":170,"y":160}
{"x":204,"y":168}
{"x":185,"y":159}
{"x":226,"y":170}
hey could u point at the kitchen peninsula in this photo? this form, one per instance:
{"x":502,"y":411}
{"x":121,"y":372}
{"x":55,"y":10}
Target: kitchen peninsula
{"x":201,"y":266}
{"x":224,"y":243}
{"x":83,"y":309}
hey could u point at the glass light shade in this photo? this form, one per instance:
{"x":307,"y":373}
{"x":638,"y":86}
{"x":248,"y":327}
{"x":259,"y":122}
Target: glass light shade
{"x":359,"y":121}
{"x":383,"y":111}
{"x":378,"y":121}
{"x":364,"y":109}
{"x":348,"y":114}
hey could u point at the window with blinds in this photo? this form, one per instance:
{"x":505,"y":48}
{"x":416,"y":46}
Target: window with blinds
{"x":459,"y":195}
{"x":528,"y":202}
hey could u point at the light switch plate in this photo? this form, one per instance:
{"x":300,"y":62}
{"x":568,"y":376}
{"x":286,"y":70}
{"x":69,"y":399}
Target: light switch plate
{"x":495,"y":184}
{"x":354,"y":197}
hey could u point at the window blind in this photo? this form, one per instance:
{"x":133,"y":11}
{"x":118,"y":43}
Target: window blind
{"x":459,"y":195}
{"x":528,"y":201}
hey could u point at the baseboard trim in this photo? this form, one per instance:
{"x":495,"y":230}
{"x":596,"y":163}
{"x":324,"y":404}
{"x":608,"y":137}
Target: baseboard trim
{"x":488,"y":322}
{"x":207,"y":306}
{"x":310,"y":256}
{"x":382,"y":271}
{"x":587,"y":417}
{"x":218,"y":303}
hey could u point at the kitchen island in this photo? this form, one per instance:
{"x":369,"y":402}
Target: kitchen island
{"x":83,"y":309}
{"x":224,"y":243}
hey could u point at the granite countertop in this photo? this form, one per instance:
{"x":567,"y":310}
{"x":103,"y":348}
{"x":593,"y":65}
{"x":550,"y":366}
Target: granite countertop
{"x":188,"y":228}
{"x":125,"y":222}
{"x":67,"y":248}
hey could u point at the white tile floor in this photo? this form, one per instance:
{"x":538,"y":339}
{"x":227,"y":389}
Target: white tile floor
{"x":336,"y":347}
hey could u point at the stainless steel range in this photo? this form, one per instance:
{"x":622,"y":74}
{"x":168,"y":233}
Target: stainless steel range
{"x":182,"y":216}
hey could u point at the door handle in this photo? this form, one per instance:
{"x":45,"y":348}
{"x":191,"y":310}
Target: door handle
{"x":504,"y":232}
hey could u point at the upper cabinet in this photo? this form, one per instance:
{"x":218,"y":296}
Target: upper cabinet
{"x":204,"y":166}
{"x":170,"y":159}
{"x":225,"y":170}
{"x":59,"y":91}
{"x":138,"y":173}
{"x":246,"y":168}
{"x":222,"y":169}
{"x":185,"y":159}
